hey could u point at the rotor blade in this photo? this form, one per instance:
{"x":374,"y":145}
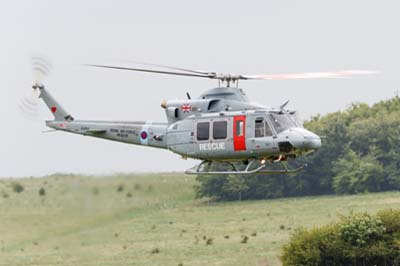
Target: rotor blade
{"x":172,"y":67}
{"x":154,"y":71}
{"x":311,"y":75}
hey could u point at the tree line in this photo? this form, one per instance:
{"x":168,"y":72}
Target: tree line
{"x":360,"y":153}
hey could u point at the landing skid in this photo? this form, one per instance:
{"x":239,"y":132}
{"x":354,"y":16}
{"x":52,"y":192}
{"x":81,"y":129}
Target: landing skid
{"x":261,"y":169}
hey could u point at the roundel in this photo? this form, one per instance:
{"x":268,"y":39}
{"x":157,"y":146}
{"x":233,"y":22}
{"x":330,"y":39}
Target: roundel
{"x":143,"y":135}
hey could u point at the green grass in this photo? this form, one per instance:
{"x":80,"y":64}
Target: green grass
{"x":87,"y":221}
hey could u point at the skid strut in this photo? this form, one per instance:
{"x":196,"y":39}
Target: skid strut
{"x":262,"y":169}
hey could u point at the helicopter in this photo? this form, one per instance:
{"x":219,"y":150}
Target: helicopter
{"x":220,"y":127}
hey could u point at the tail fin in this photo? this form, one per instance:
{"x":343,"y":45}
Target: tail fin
{"x":55,"y":108}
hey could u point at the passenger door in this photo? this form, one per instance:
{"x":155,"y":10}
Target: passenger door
{"x":239,"y":133}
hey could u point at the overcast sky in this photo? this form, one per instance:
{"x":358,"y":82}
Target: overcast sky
{"x":246,"y":37}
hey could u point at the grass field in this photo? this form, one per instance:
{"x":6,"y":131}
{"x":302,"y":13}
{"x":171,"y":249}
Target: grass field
{"x":153,"y":220}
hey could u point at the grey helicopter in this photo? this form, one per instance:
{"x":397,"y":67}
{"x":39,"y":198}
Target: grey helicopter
{"x":220,"y":127}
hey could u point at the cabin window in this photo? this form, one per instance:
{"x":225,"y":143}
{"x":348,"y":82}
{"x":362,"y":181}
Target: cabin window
{"x":220,"y":130}
{"x":203,"y":131}
{"x":239,"y":128}
{"x":259,"y":128}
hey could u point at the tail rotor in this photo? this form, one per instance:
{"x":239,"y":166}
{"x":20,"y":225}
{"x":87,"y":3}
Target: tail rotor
{"x":29,"y":103}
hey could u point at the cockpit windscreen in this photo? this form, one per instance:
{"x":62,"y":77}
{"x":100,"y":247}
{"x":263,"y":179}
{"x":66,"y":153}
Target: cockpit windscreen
{"x":282,"y":122}
{"x":296,"y":119}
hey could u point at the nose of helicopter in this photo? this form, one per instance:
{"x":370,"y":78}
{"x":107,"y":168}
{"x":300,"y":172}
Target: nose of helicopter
{"x":307,"y":140}
{"x":303,"y":139}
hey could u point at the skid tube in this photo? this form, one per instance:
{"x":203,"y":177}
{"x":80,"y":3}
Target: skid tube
{"x":197,"y":170}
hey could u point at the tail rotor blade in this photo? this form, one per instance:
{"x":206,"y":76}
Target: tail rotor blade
{"x":41,"y":68}
{"x":29,"y":103}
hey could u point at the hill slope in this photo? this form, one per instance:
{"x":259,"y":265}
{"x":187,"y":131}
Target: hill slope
{"x":153,"y":220}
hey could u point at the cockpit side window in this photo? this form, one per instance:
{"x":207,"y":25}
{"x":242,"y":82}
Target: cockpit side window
{"x":259,"y":128}
{"x":268,"y":131}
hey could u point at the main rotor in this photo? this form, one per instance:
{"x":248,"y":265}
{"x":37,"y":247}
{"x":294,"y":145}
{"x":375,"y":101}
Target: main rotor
{"x":229,"y":79}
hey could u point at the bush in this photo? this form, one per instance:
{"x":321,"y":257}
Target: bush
{"x":95,"y":191}
{"x":42,"y":192}
{"x":244,"y":239}
{"x":120,"y":188}
{"x":358,"y":239}
{"x":17,"y":187}
{"x":155,"y":251}
{"x":359,"y":230}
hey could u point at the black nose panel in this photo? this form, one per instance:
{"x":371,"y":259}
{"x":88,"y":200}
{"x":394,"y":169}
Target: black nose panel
{"x":285,"y":146}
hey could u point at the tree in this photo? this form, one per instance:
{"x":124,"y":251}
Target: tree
{"x":235,"y":185}
{"x":360,"y":152}
{"x":354,"y":173}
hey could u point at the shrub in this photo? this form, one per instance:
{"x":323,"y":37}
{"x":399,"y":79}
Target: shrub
{"x":129,"y":195}
{"x":17,"y":187}
{"x":209,"y":241}
{"x":155,"y":251}
{"x":360,"y":229}
{"x":244,"y":239}
{"x":95,"y":191}
{"x":42,"y":192}
{"x":358,"y":239}
{"x":120,"y":188}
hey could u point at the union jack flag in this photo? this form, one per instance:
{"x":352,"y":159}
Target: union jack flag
{"x":186,"y":108}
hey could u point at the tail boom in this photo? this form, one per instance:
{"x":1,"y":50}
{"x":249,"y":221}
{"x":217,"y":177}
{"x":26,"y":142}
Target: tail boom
{"x":139,"y":133}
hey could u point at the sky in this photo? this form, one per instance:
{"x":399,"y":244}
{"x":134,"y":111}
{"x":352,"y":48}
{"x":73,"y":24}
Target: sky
{"x":237,"y":37}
